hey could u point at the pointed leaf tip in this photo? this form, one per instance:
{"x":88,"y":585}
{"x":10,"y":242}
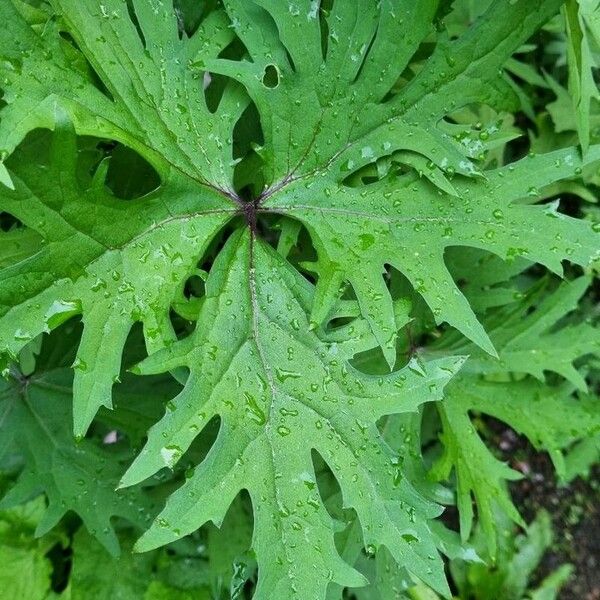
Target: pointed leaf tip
{"x":5,"y":177}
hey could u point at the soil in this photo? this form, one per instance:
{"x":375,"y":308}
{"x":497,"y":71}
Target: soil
{"x":575,"y":512}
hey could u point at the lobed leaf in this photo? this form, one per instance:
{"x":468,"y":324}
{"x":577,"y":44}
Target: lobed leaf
{"x":79,"y":477}
{"x":112,"y":276}
{"x":282,"y":392}
{"x":548,"y":415}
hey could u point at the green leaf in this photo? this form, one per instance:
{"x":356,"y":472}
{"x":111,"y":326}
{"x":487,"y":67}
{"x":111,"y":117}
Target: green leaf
{"x":175,"y":131}
{"x":112,"y":277}
{"x":17,"y":245}
{"x":532,"y":339}
{"x":290,"y":392}
{"x":541,"y":418}
{"x":25,"y":571}
{"x":550,"y":418}
{"x":97,"y":574}
{"x":480,"y":476}
{"x":129,"y":577}
{"x":529,"y":341}
{"x":406,"y":223}
{"x":74,"y":476}
{"x":25,"y":574}
{"x":399,"y":221}
{"x":149,"y":142}
{"x":579,"y":16}
{"x":519,"y":557}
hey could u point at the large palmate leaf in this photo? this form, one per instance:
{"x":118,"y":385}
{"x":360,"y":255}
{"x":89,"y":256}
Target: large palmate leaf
{"x":346,"y":130}
{"x":281,"y":392}
{"x":356,"y":117}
